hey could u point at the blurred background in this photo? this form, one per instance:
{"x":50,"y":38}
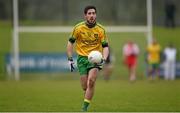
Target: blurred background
{"x":44,"y":74}
{"x":69,"y":12}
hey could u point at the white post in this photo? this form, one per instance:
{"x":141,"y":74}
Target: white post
{"x":15,"y":40}
{"x":149,"y":21}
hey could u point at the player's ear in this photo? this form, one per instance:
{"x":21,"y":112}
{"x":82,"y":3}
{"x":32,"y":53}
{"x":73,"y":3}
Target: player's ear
{"x":85,"y":16}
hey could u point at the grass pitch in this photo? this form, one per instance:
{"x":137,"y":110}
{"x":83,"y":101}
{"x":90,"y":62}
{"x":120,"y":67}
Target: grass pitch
{"x":61,"y":92}
{"x":67,"y":96}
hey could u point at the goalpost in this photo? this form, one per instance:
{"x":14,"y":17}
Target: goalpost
{"x":17,"y":29}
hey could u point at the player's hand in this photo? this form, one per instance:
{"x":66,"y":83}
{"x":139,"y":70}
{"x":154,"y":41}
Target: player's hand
{"x":71,"y":64}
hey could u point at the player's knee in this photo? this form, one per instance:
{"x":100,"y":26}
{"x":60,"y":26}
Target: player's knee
{"x":84,"y":88}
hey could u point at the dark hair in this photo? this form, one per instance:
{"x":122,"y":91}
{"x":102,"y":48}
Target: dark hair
{"x":89,"y":7}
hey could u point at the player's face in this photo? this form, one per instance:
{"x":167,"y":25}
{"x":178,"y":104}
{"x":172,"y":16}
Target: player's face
{"x":90,"y":16}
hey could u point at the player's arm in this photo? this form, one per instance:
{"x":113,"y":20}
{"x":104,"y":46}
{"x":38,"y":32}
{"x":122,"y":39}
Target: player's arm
{"x":70,"y":47}
{"x":105,"y":50}
{"x":69,"y":53}
{"x":105,"y":45}
{"x":70,"y":43}
{"x":69,"y":50}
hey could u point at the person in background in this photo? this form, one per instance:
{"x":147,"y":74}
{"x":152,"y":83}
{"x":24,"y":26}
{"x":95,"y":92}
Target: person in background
{"x":130,"y":54}
{"x":170,"y":62}
{"x":108,"y":66}
{"x":153,"y":59}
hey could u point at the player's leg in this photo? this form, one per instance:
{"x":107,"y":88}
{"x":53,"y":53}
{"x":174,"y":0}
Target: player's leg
{"x":132,"y":73}
{"x":154,"y":72}
{"x":128,"y":64}
{"x":166,"y":71}
{"x":83,"y":81}
{"x":90,"y":87}
{"x":172,"y":70}
{"x":82,"y":68}
{"x":150,"y":71}
{"x":83,"y":71}
{"x":91,"y":83}
{"x":129,"y":71}
{"x":157,"y":70}
{"x":107,"y":71}
{"x":133,"y":69}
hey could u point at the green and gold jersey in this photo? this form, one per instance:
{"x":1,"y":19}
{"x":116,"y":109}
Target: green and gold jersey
{"x":88,"y":39}
{"x":154,"y":53}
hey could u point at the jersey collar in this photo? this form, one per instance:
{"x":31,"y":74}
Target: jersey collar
{"x":89,"y":25}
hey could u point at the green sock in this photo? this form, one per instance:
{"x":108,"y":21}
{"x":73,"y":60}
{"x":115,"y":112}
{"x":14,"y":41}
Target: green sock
{"x":85,"y":104}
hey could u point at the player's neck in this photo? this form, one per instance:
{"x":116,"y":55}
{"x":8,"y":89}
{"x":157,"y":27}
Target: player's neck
{"x":90,"y":25}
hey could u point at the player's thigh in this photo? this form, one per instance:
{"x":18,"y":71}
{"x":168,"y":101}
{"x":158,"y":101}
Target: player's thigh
{"x":82,"y":63}
{"x":92,"y":75}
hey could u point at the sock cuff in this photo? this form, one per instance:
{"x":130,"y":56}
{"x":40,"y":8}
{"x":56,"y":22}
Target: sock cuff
{"x":86,"y":100}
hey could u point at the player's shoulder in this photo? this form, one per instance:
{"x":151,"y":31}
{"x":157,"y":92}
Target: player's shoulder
{"x":80,"y":24}
{"x":100,"y":26}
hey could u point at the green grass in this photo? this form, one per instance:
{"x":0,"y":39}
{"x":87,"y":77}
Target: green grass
{"x":66,"y":96}
{"x":62,"y":91}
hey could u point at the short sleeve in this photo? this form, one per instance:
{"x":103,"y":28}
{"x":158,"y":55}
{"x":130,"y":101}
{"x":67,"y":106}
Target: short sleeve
{"x":74,"y":34}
